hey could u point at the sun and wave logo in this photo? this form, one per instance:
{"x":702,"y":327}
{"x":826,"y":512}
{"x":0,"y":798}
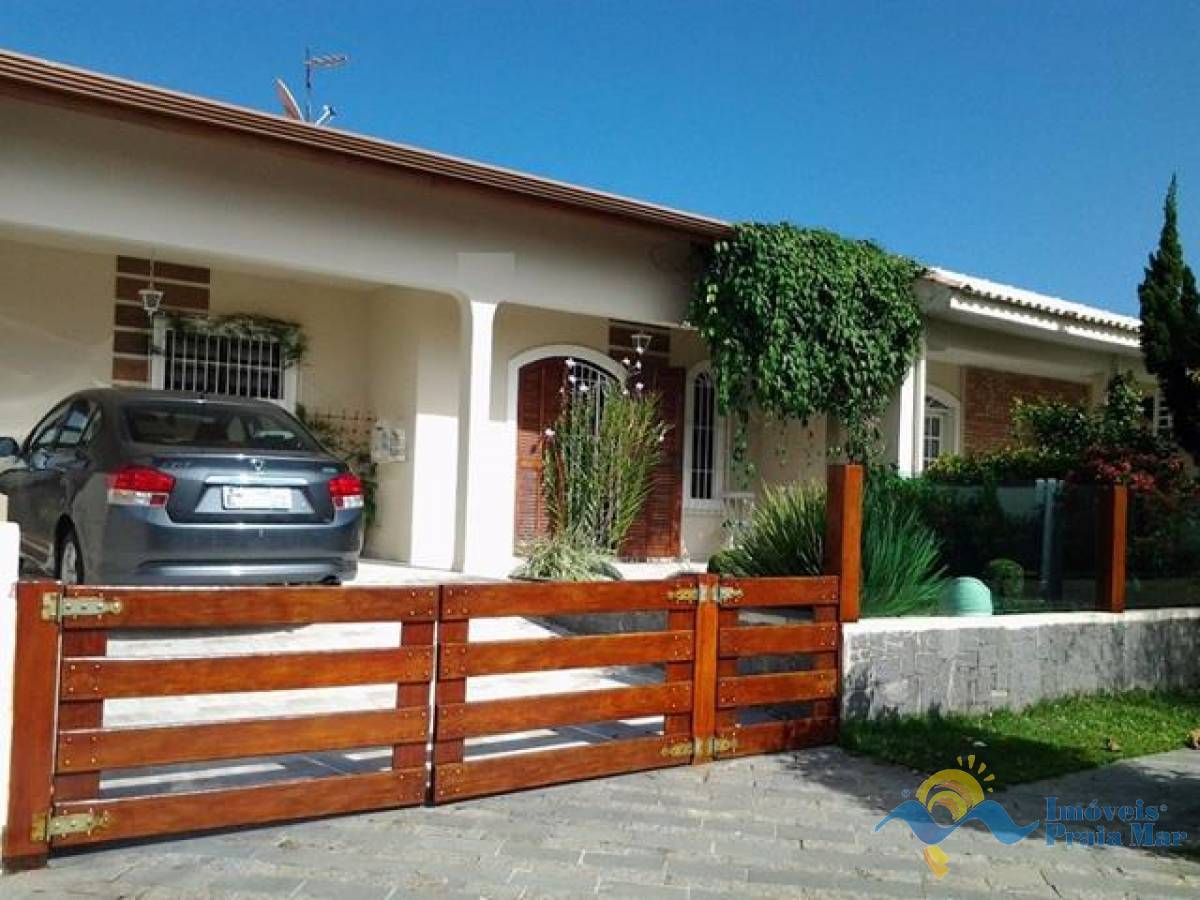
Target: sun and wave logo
{"x":961,"y":793}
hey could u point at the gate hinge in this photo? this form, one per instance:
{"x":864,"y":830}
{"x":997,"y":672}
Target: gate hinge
{"x":46,"y":826}
{"x":705,"y":594}
{"x":56,"y":607}
{"x":719,"y":745}
{"x":683,"y":748}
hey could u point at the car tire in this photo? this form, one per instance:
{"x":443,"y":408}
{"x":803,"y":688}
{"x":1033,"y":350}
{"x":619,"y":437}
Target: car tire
{"x":69,"y":559}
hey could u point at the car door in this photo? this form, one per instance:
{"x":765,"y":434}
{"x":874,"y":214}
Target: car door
{"x":31,"y":487}
{"x":70,"y":459}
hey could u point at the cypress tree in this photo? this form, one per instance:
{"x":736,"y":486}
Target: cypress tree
{"x":1170,"y":306}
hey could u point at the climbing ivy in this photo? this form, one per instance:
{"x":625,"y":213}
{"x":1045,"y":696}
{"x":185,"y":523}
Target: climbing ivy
{"x":801,"y":322}
{"x":293,"y":342}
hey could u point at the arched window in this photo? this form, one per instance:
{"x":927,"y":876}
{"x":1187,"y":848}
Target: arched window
{"x":941,"y":425}
{"x":704,"y":444}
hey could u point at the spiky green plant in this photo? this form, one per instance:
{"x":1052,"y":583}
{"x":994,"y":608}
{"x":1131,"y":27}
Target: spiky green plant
{"x":902,"y":570}
{"x":598,"y":464}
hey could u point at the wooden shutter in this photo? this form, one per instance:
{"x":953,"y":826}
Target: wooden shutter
{"x":538,"y":404}
{"x":656,"y":532}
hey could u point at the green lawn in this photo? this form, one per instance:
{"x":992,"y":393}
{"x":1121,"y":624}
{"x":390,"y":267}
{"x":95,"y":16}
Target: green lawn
{"x":1050,"y":738}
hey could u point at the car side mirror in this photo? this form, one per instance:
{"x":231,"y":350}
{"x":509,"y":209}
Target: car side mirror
{"x":39,"y":460}
{"x":9,"y":447}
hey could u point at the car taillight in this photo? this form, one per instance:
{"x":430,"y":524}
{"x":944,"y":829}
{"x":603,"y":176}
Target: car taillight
{"x":139,"y":486}
{"x":346,"y":491}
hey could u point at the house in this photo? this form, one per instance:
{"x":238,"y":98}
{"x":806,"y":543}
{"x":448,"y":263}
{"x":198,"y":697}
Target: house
{"x":439,"y":298}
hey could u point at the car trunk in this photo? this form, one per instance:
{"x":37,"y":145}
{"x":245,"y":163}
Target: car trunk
{"x":250,"y":488}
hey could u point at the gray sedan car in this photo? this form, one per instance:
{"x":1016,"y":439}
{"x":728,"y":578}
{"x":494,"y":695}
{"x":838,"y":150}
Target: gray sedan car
{"x":149,"y":487}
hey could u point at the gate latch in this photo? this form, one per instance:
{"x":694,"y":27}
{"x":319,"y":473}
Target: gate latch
{"x":47,"y":826}
{"x":56,"y":607}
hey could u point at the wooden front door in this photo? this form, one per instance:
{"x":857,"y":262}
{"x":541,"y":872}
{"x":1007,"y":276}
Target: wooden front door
{"x":656,"y":533}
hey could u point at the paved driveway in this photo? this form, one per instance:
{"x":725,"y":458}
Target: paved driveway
{"x":783,"y":826}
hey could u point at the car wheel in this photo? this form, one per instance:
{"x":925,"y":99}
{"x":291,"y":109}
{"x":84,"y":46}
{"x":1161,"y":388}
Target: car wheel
{"x":70,"y":559}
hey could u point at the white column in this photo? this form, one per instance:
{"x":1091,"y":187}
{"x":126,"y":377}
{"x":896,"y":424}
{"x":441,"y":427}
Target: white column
{"x":9,"y":544}
{"x":475,"y":549}
{"x":918,"y":432}
{"x":902,"y":453}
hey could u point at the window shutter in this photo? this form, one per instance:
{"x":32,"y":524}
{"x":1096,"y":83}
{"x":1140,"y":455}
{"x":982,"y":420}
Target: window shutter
{"x":656,"y":532}
{"x":538,"y":403}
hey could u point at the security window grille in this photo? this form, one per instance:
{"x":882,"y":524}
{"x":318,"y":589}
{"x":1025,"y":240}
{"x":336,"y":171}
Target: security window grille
{"x":223,"y":364}
{"x":702,"y":477}
{"x":588,"y":380}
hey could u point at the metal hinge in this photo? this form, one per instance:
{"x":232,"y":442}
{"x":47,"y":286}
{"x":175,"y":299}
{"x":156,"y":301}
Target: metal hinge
{"x":46,"y":826}
{"x":56,"y":607}
{"x":683,"y":748}
{"x":705,"y":594}
{"x":722,"y":745}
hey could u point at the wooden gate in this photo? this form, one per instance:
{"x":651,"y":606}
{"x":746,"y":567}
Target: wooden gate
{"x":62,"y":744}
{"x":460,"y":659}
{"x":709,"y":674}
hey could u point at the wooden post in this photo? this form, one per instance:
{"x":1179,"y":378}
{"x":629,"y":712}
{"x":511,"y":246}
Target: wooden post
{"x":450,"y":686}
{"x":1112,"y":508}
{"x":35,"y":697}
{"x":704,"y":684}
{"x":843,"y":534}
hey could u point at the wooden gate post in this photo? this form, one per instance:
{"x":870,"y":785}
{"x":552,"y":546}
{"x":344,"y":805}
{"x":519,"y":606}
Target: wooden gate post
{"x":1113,"y":512}
{"x":704,"y":684}
{"x":35,"y":698}
{"x":843,"y":534}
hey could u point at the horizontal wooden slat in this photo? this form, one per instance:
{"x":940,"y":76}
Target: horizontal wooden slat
{"x":544,"y":654}
{"x":239,"y":606}
{"x":456,"y":781}
{"x":465,"y":601}
{"x":757,"y":640}
{"x":785,"y":687}
{"x":204,"y":810}
{"x":776,"y":737}
{"x":456,"y":720}
{"x":820,"y":590}
{"x":98,"y":677}
{"x":95,"y":749}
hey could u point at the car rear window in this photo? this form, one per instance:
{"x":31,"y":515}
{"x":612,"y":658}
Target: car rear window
{"x":219,"y":426}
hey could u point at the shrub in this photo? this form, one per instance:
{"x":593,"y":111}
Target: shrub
{"x":786,"y":536}
{"x":562,"y":559}
{"x":1005,"y":577}
{"x":598,"y":463}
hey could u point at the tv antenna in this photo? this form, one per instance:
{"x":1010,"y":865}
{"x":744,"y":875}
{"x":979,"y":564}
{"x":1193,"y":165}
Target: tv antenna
{"x":287,"y":99}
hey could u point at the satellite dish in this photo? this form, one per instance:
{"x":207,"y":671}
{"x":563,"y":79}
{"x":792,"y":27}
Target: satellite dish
{"x":291,"y":108}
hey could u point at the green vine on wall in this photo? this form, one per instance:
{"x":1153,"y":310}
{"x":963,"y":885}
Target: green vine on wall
{"x":801,"y":322}
{"x":293,"y":343}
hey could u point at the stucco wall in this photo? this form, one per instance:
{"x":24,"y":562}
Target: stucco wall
{"x":412,"y":349}
{"x":76,"y":174}
{"x":56,"y":309}
{"x":918,"y":665}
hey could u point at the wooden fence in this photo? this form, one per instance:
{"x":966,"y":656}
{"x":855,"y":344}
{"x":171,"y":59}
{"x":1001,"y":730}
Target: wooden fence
{"x":694,"y":674}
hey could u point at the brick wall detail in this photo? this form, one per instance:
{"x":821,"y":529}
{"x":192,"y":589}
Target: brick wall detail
{"x":988,"y":398}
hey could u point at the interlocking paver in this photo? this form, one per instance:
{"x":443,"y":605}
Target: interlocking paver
{"x":772,"y":827}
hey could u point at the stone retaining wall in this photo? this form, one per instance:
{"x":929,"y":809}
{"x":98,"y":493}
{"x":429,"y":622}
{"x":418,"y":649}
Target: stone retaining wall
{"x":922,"y":664}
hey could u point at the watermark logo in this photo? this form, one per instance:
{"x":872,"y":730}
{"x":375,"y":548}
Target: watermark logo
{"x":1093,"y":824}
{"x":961,"y":793}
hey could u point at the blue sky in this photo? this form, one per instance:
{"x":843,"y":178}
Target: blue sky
{"x":1025,"y":141}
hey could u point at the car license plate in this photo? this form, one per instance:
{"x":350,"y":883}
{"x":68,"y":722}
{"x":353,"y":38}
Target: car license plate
{"x":256,"y":498}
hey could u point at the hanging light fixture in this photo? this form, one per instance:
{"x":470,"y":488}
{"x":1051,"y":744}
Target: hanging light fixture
{"x":151,"y":296}
{"x":641,"y":341}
